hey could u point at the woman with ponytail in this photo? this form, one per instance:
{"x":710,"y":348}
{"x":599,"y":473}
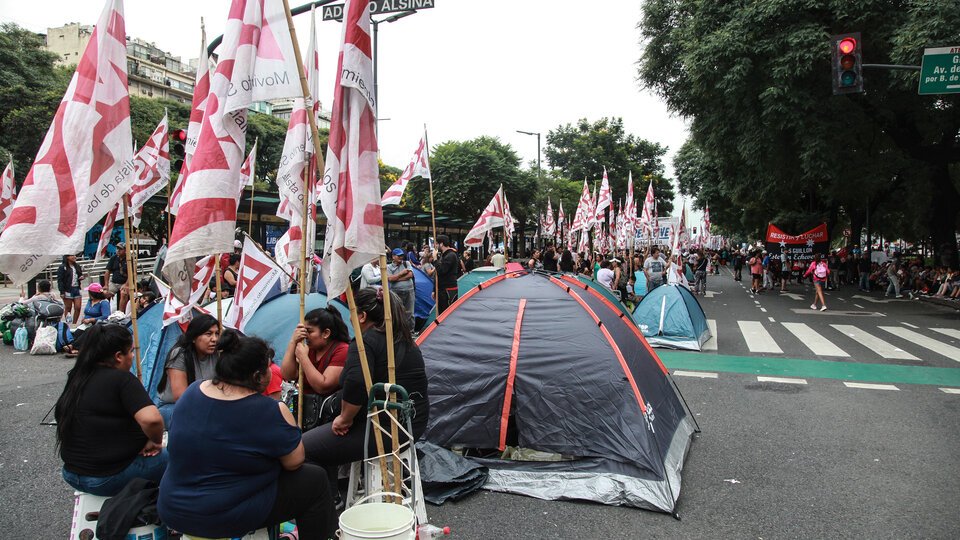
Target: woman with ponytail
{"x":341,"y":441}
{"x":236,"y":459}
{"x":108,"y":430}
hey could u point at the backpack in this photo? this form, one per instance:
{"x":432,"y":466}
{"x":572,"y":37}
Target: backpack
{"x":820,"y":272}
{"x":64,"y":335}
{"x":48,"y":309}
{"x":20,"y":341}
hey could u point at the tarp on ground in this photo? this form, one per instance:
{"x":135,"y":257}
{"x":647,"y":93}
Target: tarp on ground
{"x":530,"y":361}
{"x":670,"y":316}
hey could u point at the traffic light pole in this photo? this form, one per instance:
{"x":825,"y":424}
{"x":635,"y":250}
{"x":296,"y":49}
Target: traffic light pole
{"x":891,"y":66}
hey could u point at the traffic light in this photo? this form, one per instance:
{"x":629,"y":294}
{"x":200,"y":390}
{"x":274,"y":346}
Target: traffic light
{"x":179,"y":136}
{"x":846,"y":63}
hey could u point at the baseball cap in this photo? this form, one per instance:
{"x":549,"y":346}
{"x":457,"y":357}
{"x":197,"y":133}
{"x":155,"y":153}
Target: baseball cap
{"x":238,"y":244}
{"x":398,"y":252}
{"x":121,"y":245}
{"x":95,"y":287}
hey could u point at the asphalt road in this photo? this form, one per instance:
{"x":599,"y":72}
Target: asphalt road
{"x":774,"y":460}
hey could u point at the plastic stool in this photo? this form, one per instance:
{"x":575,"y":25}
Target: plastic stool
{"x":259,"y":534}
{"x":85,"y":503}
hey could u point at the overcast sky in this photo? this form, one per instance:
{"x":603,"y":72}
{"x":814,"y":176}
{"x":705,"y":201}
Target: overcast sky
{"x":463,"y":68}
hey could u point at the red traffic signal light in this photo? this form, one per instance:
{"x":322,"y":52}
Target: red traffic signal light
{"x":846,"y":63}
{"x":179,"y":135}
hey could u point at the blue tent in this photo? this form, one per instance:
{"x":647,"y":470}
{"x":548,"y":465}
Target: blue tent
{"x":640,"y":284}
{"x":671,"y":317}
{"x":155,"y":343}
{"x":275,"y":320}
{"x":423,"y":303}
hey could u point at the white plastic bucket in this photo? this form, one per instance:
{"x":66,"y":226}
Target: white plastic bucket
{"x":382,"y":521}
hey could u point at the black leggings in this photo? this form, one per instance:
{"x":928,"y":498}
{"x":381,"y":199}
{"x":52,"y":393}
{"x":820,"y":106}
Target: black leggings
{"x":303,"y":495}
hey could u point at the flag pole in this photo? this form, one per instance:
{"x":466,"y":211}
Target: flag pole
{"x":252,"y":188}
{"x":391,"y":366}
{"x":216,"y":265}
{"x":130,"y":286}
{"x":433,"y":218}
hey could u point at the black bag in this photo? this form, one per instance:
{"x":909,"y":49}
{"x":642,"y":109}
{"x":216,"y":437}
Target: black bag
{"x":317,"y":410}
{"x":48,"y":309}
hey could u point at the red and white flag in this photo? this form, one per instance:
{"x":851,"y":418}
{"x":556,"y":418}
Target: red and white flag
{"x":7,"y":194}
{"x":106,"y":233}
{"x":176,"y":310}
{"x":584,"y":214}
{"x":419,"y":166}
{"x":647,"y":218}
{"x":201,"y":89}
{"x":604,"y":199}
{"x":84,"y":164}
{"x":630,"y":219}
{"x":258,"y":276}
{"x":492,"y":217}
{"x":351,"y":183}
{"x":247,"y":172}
{"x":256,"y":64}
{"x":706,"y":221}
{"x":561,"y":219}
{"x":507,"y":216}
{"x":152,"y":163}
{"x":549,"y":225}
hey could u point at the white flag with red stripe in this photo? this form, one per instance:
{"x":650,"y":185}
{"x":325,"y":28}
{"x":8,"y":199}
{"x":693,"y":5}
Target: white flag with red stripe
{"x":419,"y":166}
{"x":257,"y":278}
{"x":491,"y":217}
{"x":630,"y":208}
{"x":604,"y":199}
{"x":507,"y":216}
{"x":8,"y":194}
{"x":84,"y":164}
{"x":256,"y":64}
{"x":549,"y":225}
{"x":106,"y":233}
{"x":152,"y":163}
{"x":706,"y":221}
{"x":647,"y":218}
{"x":201,"y":89}
{"x":584,"y":214}
{"x":176,"y":310}
{"x":247,"y":171}
{"x":351,"y":183}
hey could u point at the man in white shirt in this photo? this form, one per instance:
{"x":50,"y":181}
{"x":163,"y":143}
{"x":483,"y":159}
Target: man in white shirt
{"x":498,"y":260}
{"x":605,"y":275}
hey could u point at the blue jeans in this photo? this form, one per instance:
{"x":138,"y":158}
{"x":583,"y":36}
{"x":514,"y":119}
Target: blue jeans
{"x":166,"y":411}
{"x":865,"y":281}
{"x":150,"y":468}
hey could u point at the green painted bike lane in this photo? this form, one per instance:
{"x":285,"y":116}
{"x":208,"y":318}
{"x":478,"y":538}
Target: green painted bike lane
{"x":848,"y":371}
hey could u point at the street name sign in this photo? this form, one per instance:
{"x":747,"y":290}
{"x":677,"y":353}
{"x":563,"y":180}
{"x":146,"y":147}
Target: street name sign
{"x":940,"y":72}
{"x":334,"y":12}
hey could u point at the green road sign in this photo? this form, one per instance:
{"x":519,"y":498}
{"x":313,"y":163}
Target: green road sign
{"x":940,"y":73}
{"x":334,"y":12}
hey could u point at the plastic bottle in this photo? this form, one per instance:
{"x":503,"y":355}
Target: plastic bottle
{"x":429,"y":532}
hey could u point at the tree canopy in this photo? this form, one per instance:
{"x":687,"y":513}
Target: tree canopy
{"x":769,"y":141}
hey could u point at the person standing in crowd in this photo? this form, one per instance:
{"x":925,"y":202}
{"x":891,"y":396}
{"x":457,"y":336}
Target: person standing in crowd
{"x":230,"y":274}
{"x":833,"y":263}
{"x":893,"y":276}
{"x":115,"y":277}
{"x":497,"y":260}
{"x":447,"y":273}
{"x":192,"y":358}
{"x":550,"y":258}
{"x":534,"y":262}
{"x":606,"y":276}
{"x":236,"y":455}
{"x":737,"y":266}
{"x":700,"y":275}
{"x":756,"y":272}
{"x":400,"y":276}
{"x":820,"y":270}
{"x":466,"y":262}
{"x":370,"y":274}
{"x":654,"y":269}
{"x":567,"y":265}
{"x":427,"y":265}
{"x":69,"y":276}
{"x":864,"y":266}
{"x":108,"y":430}
{"x":767,"y":274}
{"x":412,"y":257}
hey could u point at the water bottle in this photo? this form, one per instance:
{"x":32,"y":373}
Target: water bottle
{"x":430,"y":532}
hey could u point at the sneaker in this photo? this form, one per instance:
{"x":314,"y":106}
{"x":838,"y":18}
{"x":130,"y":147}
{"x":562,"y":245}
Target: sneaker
{"x":813,"y":306}
{"x":823,"y":308}
{"x":899,"y":296}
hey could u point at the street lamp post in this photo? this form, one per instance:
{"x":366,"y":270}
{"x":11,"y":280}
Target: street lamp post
{"x":537,"y":133}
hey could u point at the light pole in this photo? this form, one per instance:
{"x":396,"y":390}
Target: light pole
{"x":538,"y":148}
{"x":376,"y":26}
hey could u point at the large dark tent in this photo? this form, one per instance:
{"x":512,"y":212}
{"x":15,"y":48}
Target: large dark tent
{"x":532,"y":361}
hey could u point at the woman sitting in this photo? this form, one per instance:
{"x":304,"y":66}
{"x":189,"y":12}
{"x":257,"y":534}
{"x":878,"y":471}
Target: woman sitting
{"x":341,"y":441}
{"x":236,"y":460}
{"x":108,"y":430}
{"x":191,"y":358}
{"x":97,"y":309}
{"x":322,"y":356}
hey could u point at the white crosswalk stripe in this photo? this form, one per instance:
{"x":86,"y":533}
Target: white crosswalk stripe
{"x":700,"y":374}
{"x":874,"y":343}
{"x":949,"y":351}
{"x":785,"y":380}
{"x":952,"y":332}
{"x":950,"y":390}
{"x":757,"y":338}
{"x":870,"y":386}
{"x":711,"y":344}
{"x":818,"y":344}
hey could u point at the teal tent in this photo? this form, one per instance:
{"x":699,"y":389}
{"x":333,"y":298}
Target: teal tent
{"x":670,"y":317}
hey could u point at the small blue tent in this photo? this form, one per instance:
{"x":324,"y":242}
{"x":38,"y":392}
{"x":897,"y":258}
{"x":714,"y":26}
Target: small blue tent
{"x":639,"y":284}
{"x":670,"y":316}
{"x":275,"y":320}
{"x":423,"y":303}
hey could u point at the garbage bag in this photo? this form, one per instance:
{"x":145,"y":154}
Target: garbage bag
{"x":447,"y":476}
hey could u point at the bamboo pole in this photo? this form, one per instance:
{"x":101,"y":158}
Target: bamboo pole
{"x":216,"y":266}
{"x":391,"y":370}
{"x":433,"y":220}
{"x":131,"y":287}
{"x":253,"y":181}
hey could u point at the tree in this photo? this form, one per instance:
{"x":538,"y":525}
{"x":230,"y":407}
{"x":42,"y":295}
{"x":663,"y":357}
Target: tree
{"x":582,"y":151}
{"x":754,"y":79}
{"x":466,"y":174}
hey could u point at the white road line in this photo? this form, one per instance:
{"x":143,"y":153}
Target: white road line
{"x":949,"y":351}
{"x":869,"y":386}
{"x":818,"y":344}
{"x":763,"y":310}
{"x":784,"y":380}
{"x":875,"y":344}
{"x":757,"y":302}
{"x":952,"y":332}
{"x":771,"y":319}
{"x":908,"y":324}
{"x":701,"y":374}
{"x":951,"y":390}
{"x":757,"y":338}
{"x":859,"y":306}
{"x":711,"y":344}
{"x":841,"y":299}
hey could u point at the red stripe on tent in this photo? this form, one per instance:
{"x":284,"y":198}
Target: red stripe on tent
{"x":613,"y":344}
{"x":631,"y":324}
{"x":456,"y":303}
{"x":508,"y":398}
